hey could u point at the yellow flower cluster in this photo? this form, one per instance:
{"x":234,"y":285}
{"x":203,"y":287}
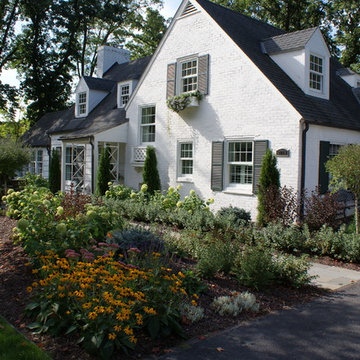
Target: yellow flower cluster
{"x":105,"y":289}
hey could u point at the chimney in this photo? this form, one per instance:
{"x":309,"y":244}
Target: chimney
{"x":107,"y":56}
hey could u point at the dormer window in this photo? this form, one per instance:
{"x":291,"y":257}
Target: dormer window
{"x":189,"y":76}
{"x":82,"y":103}
{"x":316,"y":74}
{"x":124,"y":94}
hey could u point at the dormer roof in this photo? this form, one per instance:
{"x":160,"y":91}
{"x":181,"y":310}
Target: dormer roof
{"x":99,"y":83}
{"x":127,"y":71}
{"x":289,"y":41}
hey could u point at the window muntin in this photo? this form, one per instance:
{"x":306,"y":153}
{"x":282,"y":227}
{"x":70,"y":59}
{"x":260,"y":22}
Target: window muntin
{"x":240,"y":163}
{"x":334,"y":150}
{"x":82,"y":103}
{"x":147,"y":124}
{"x":316,"y":73}
{"x":75,"y":165}
{"x":36,"y":163}
{"x":114,"y":158}
{"x":186,"y":159}
{"x":124,"y":94}
{"x":189,"y":76}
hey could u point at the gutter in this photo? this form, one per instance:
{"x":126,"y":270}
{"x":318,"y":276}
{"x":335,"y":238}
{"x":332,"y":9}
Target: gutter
{"x":92,"y":163}
{"x":303,"y":163}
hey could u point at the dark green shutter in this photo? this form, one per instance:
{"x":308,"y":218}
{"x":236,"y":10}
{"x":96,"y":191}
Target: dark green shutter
{"x":203,"y":77}
{"x":323,"y":174}
{"x":260,"y":147}
{"x":217,"y":165}
{"x":171,"y":80}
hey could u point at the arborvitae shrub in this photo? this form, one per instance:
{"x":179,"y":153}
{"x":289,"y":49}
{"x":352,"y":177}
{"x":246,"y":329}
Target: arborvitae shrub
{"x":269,"y":177}
{"x":54,"y":172}
{"x":104,"y":172}
{"x":150,"y":173}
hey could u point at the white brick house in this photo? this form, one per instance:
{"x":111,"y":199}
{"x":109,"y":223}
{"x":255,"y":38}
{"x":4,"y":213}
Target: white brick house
{"x":261,"y":88}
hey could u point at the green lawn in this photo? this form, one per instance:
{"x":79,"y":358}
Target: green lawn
{"x":14,"y":346}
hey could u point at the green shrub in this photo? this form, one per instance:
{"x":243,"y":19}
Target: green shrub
{"x":254,"y":266}
{"x":103,"y":177}
{"x":54,"y":172}
{"x":150,"y":172}
{"x":286,"y":238}
{"x":118,"y":192}
{"x":232,"y":217}
{"x":290,"y":270}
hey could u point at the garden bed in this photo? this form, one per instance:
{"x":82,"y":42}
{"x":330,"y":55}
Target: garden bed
{"x":16,"y":275}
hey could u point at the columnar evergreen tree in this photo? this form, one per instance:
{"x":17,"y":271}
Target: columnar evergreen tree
{"x":103,"y":173}
{"x":150,"y":173}
{"x":54,"y":172}
{"x":269,"y":177}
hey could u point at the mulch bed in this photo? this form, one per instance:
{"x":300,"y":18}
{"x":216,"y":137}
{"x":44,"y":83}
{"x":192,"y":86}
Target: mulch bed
{"x":15,"y":276}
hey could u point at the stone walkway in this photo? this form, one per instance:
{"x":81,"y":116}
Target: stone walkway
{"x":333,"y":277}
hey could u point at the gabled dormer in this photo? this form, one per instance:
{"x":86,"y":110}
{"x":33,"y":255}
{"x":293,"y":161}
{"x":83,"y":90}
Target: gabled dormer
{"x":89,"y":93}
{"x":351,"y":77}
{"x":305,"y":58}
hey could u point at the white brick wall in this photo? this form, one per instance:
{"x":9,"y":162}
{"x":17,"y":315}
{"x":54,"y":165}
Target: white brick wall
{"x":316,"y":134}
{"x":241,"y":102}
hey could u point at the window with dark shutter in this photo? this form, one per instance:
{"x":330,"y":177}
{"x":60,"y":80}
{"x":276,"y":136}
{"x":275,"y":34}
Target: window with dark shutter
{"x":260,"y":147}
{"x":217,"y":165}
{"x":171,"y":80}
{"x":323,"y":174}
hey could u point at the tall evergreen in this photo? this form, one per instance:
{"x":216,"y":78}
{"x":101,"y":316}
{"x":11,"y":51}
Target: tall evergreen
{"x":150,"y":173}
{"x":104,"y":172}
{"x":269,"y":177}
{"x":55,"y":172}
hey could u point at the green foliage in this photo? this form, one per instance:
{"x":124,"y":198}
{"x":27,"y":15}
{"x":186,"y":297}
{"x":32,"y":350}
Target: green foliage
{"x":54,"y":172}
{"x":104,"y":172}
{"x":150,"y":172}
{"x":345,"y":173}
{"x":13,"y":157}
{"x":233,"y":217}
{"x":118,"y":192}
{"x":254,"y":266}
{"x":180,"y":102}
{"x":14,"y":346}
{"x":269,"y":177}
{"x":146,"y":34}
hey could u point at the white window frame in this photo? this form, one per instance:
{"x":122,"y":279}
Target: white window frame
{"x":242,"y":187}
{"x":314,"y":70}
{"x":147,"y":125}
{"x":36,"y":166}
{"x":123,"y":99}
{"x":181,"y":77}
{"x":114,"y":158}
{"x":81,"y":103}
{"x":185,"y":177}
{"x":76,"y":165}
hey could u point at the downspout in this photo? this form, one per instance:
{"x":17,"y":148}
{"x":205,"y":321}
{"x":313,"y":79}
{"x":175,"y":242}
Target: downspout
{"x":92,"y":163}
{"x":303,"y":164}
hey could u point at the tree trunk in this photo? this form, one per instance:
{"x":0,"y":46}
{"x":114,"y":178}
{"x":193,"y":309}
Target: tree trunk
{"x":357,"y":215}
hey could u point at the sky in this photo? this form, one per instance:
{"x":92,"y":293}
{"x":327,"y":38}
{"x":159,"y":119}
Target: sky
{"x":168,"y":10}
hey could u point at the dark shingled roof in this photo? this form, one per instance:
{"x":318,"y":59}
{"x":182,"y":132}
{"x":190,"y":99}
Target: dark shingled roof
{"x":99,"y":83}
{"x":289,"y":41}
{"x":341,"y":111}
{"x":345,"y":71}
{"x":127,"y":71}
{"x":104,"y":116}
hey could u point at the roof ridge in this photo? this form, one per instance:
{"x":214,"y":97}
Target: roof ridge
{"x":244,"y":15}
{"x":291,"y":33}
